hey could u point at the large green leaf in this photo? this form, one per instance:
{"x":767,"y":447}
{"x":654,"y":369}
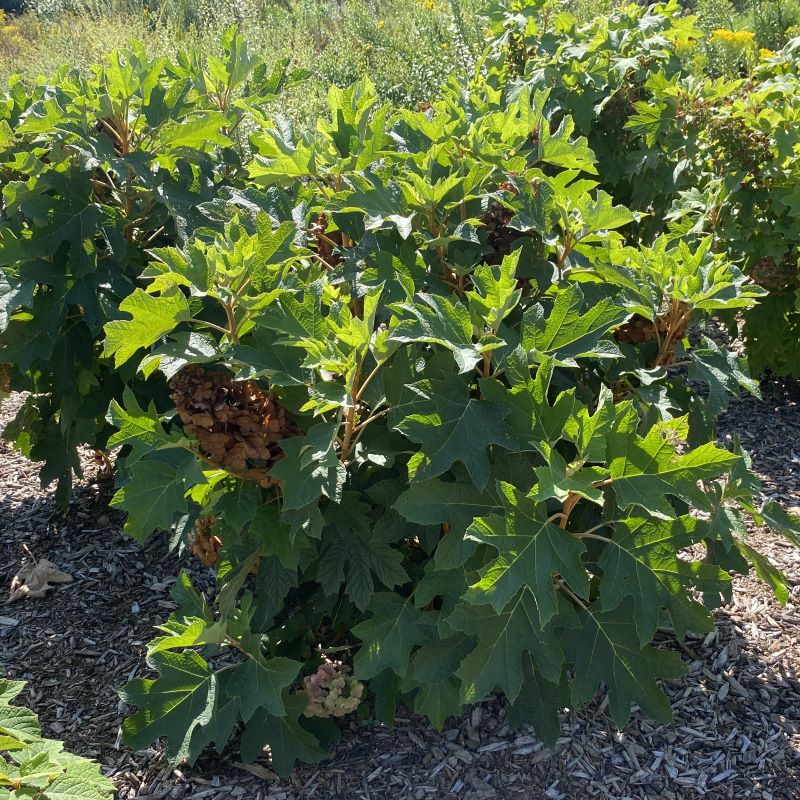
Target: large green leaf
{"x":452,"y":426}
{"x":197,"y":132}
{"x":258,"y":682}
{"x":567,"y":334}
{"x":174,"y":705}
{"x":605,"y":649}
{"x":310,"y":469}
{"x":645,"y":470}
{"x":435,"y":501}
{"x":539,"y":702}
{"x":388,"y":636}
{"x":503,"y":639}
{"x":531,"y":549}
{"x":287,"y":739}
{"x":641,"y":561}
{"x":153,"y":497}
{"x":152,"y":318}
{"x":439,"y":320}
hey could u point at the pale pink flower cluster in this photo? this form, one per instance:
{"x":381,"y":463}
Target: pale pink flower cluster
{"x":331,"y":691}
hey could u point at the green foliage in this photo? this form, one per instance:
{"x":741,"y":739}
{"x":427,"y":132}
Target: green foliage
{"x":94,"y":171}
{"x":743,"y":191}
{"x":429,"y":403}
{"x":772,"y":21}
{"x":37,"y":768}
{"x":408,"y":47}
{"x":694,"y":155}
{"x":490,"y":488}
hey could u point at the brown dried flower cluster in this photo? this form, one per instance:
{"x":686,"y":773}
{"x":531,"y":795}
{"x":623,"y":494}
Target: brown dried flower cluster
{"x":203,"y":544}
{"x":780,"y":278}
{"x":331,"y":691}
{"x":327,"y":243}
{"x":639,"y":329}
{"x":501,"y":237}
{"x":237,"y":424}
{"x":667,"y":329}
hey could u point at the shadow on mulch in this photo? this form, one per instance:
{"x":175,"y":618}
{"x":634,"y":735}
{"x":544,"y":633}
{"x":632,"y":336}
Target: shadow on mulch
{"x":769,"y":429}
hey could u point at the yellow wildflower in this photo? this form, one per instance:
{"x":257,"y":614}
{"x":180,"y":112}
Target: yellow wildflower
{"x":10,"y":35}
{"x":429,"y":5}
{"x":742,"y":39}
{"x":764,"y":53}
{"x":685,"y":46}
{"x":380,"y":24}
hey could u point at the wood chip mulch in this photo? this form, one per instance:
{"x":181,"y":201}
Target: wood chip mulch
{"x":736,"y":732}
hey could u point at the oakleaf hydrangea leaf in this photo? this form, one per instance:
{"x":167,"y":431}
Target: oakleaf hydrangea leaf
{"x":258,"y":683}
{"x":388,"y":636}
{"x":286,"y":737}
{"x":567,"y":334}
{"x":641,"y":561}
{"x":605,"y":649}
{"x":452,"y":426}
{"x":531,"y":549}
{"x":174,"y":705}
{"x":503,"y":638}
{"x":310,"y":469}
{"x":644,"y":470}
{"x":152,"y":318}
{"x":439,"y":320}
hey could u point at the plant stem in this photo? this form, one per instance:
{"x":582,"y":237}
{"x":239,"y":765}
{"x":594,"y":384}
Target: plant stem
{"x":233,"y":330}
{"x":569,"y":503}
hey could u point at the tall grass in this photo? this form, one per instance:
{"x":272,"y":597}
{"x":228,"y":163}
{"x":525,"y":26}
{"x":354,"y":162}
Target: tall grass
{"x":409,"y":47}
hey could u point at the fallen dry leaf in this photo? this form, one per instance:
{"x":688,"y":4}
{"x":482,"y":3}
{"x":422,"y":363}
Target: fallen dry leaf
{"x":35,"y":578}
{"x":255,"y":769}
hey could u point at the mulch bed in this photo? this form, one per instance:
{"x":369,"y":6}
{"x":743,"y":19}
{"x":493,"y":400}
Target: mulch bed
{"x":736,"y":732}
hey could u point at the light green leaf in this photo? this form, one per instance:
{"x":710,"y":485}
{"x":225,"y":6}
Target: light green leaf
{"x":438,"y":320}
{"x":152,"y":318}
{"x":567,"y":334}
{"x":19,"y":722}
{"x":496,"y":293}
{"x":196,"y":132}
{"x":175,"y":705}
{"x":140,"y":429}
{"x":645,"y":470}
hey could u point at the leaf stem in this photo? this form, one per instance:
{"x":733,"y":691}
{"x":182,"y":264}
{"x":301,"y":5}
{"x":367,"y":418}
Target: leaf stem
{"x":562,"y":584}
{"x":364,"y":385}
{"x":211,"y":325}
{"x":359,"y":429}
{"x":590,"y":534}
{"x":230,"y":313}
